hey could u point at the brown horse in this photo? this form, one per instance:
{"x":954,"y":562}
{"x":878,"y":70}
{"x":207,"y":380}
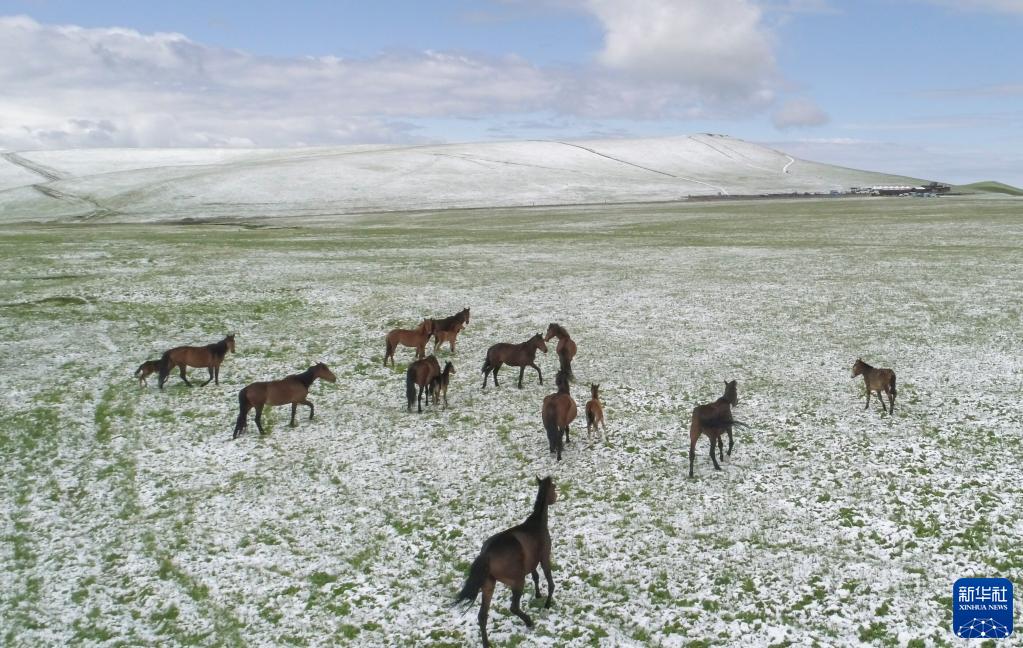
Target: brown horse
{"x":145,"y":369}
{"x":595,"y":413}
{"x":516,"y":355}
{"x":439,"y":385}
{"x":416,"y":337}
{"x":565,"y":349}
{"x":557,"y":412}
{"x":420,"y":374}
{"x":876,"y":380}
{"x":714,"y":419}
{"x":292,"y":389}
{"x":511,"y":554}
{"x":448,"y":328}
{"x":209,"y":356}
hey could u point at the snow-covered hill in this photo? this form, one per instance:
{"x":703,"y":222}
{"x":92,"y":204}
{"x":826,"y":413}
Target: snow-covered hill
{"x":171,"y":184}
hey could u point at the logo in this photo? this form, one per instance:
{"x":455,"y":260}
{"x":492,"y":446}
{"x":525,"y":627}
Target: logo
{"x":982,"y":608}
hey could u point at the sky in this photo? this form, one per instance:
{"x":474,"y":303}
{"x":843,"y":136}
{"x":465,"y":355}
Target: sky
{"x":927,"y":88}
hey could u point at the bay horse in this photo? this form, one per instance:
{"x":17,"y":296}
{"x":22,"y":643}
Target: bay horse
{"x":439,"y":385}
{"x":448,"y":328}
{"x":420,"y":374}
{"x":516,"y":355}
{"x":292,"y":389}
{"x":416,"y":337}
{"x":508,"y":556}
{"x":878,"y":380}
{"x":714,"y":420}
{"x":210,"y":356}
{"x":145,"y":369}
{"x":557,"y":412}
{"x":565,"y":349}
{"x":595,"y":413}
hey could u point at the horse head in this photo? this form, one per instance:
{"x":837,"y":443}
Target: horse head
{"x":323,"y":372}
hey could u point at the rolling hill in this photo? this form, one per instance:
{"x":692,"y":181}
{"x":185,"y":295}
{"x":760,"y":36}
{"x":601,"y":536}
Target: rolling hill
{"x":218,"y":184}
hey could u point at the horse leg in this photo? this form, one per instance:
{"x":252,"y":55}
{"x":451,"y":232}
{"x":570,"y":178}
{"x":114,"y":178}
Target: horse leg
{"x":496,"y":367}
{"x":312,"y":409}
{"x":522,"y":370}
{"x":208,"y":380}
{"x":891,"y":399}
{"x":883,"y":406}
{"x":488,"y":593}
{"x":713,"y":442}
{"x":419,"y":399}
{"x":568,"y":437}
{"x":516,"y":598}
{"x":259,"y":418}
{"x":692,"y":452}
{"x":294,"y":408}
{"x":867,"y":406}
{"x":536,"y":581}
{"x":183,"y":376}
{"x":545,"y":563}
{"x":731,"y":442}
{"x":721,"y":448}
{"x":538,"y":372}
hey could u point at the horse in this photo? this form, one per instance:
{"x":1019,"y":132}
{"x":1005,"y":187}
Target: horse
{"x":877,"y":380}
{"x":209,"y":356}
{"x":714,"y":419}
{"x":417,"y":337}
{"x":557,"y":412}
{"x":595,"y":413}
{"x":145,"y":369}
{"x":565,"y":349}
{"x":448,"y":328}
{"x":420,"y":374}
{"x":516,"y":355}
{"x":511,"y":554}
{"x":439,"y":384}
{"x":292,"y":389}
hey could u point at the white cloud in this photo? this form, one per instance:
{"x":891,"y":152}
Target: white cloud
{"x":997,"y":6}
{"x":799,"y":113}
{"x":68,"y":86}
{"x":718,"y":48}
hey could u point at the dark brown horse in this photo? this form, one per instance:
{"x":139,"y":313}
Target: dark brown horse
{"x":595,"y":413}
{"x":439,"y":385}
{"x":210,"y":356}
{"x":509,"y":555}
{"x":448,"y":328}
{"x":876,"y":380}
{"x":292,"y":389}
{"x":145,"y":369}
{"x":565,"y":349}
{"x":420,"y":374}
{"x":557,"y":412}
{"x":714,"y":420}
{"x":516,"y":355}
{"x":417,"y":337}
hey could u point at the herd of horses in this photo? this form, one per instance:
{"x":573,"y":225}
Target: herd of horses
{"x":510,"y":555}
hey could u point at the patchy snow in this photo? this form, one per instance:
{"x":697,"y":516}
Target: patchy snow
{"x":130,"y":516}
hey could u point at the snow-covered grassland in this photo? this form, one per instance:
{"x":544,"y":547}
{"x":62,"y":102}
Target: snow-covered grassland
{"x":131,"y":518}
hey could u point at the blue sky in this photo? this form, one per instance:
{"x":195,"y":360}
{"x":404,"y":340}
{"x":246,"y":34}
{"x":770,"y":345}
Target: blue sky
{"x":930,"y":88}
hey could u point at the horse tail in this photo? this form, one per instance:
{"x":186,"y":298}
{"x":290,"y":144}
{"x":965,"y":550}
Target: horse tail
{"x":242,"y":412}
{"x":142,"y":367}
{"x":165,"y":367}
{"x":486,"y":365}
{"x":410,"y":385}
{"x":388,"y":349}
{"x":474,"y":582}
{"x":893,"y":386}
{"x":739,"y":424}
{"x":566,"y":364}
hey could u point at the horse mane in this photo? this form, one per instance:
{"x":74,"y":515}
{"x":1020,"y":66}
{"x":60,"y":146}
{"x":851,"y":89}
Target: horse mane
{"x":306,"y":377}
{"x":540,"y":503}
{"x":559,"y":330}
{"x":218,"y":349}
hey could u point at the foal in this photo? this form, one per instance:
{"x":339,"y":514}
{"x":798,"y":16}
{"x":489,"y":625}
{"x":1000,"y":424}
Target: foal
{"x":595,"y":413}
{"x":877,"y":380}
{"x":447,"y":329}
{"x":566,"y":347}
{"x":511,"y":554}
{"x":145,"y":369}
{"x":416,"y":337}
{"x":439,"y":385}
{"x":714,"y":419}
{"x":557,"y":412}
